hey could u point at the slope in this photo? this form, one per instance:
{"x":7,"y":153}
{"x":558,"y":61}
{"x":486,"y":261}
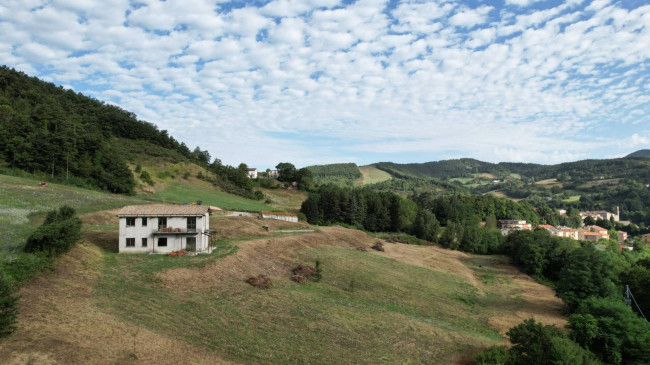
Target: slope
{"x":407,"y":304}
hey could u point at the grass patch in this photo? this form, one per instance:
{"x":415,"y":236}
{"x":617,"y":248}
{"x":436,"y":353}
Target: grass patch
{"x":372,"y":175}
{"x":181,"y":192}
{"x":572,"y":198}
{"x":23,"y":205}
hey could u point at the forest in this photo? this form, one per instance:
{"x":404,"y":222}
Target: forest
{"x":74,"y":138}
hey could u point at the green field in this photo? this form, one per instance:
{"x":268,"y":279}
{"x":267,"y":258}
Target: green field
{"x":23,"y":205}
{"x":372,"y":175}
{"x":572,"y":198}
{"x":181,"y":192}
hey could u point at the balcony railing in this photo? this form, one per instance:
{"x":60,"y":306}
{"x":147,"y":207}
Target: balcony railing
{"x":172,"y":230}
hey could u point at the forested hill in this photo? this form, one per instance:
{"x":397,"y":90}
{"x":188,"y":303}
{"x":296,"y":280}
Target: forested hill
{"x":639,"y":153}
{"x":49,"y":129}
{"x":579,"y":170}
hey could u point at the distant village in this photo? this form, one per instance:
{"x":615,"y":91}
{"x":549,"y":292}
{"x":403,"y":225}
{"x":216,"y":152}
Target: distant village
{"x":592,"y":233}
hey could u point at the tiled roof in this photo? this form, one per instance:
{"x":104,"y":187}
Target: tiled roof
{"x":162,"y":210}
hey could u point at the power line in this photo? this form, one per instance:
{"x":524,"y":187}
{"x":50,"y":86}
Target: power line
{"x":628,"y":294}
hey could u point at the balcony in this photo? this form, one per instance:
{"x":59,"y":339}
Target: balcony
{"x":175,"y":231}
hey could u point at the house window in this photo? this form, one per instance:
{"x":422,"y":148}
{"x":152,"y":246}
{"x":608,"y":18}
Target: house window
{"x":130,"y":221}
{"x":162,"y":242}
{"x":162,"y":222}
{"x":130,"y":242}
{"x":144,"y":222}
{"x":144,"y":242}
{"x":191,"y":223}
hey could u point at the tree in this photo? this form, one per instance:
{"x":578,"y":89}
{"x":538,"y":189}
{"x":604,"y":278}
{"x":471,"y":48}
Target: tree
{"x":588,"y":273}
{"x":286,"y":171}
{"x":611,"y":330}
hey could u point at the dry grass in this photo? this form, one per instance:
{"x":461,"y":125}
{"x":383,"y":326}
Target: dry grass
{"x":60,"y":324}
{"x":409,"y":303}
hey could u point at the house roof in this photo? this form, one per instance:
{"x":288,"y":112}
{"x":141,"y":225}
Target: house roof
{"x":162,"y":210}
{"x":598,"y":228}
{"x":253,"y":169}
{"x":587,"y":233}
{"x":546,"y":226}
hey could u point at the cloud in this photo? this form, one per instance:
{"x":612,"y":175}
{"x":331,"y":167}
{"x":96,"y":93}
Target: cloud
{"x":325,"y":80}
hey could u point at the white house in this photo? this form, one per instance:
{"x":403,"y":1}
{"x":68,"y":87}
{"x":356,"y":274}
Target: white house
{"x":252,"y":173}
{"x":159,"y":228}
{"x":273,"y":173}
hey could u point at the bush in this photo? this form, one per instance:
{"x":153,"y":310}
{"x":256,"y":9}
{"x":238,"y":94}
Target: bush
{"x":8,"y":306}
{"x":534,"y":343}
{"x":146,"y":177}
{"x":61,"y":230}
{"x":495,"y":355}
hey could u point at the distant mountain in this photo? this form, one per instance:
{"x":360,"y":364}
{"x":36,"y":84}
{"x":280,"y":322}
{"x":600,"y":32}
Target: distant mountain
{"x":639,"y":153}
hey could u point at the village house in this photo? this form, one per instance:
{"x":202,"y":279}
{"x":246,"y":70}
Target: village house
{"x":622,"y":236}
{"x":509,"y":225}
{"x":252,"y":173}
{"x":162,"y":228}
{"x":273,"y":173}
{"x":289,"y":217}
{"x":601,"y":214}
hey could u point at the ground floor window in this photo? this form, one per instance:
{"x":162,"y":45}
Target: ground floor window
{"x":130,"y":242}
{"x":162,"y":242}
{"x":144,"y":242}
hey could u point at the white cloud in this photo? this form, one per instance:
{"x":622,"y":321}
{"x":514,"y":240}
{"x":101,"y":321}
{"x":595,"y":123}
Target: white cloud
{"x":424,"y":78}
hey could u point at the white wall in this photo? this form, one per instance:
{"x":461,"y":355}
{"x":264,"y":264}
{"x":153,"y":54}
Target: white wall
{"x":175,"y":242}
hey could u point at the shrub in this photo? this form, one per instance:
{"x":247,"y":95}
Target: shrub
{"x":146,"y":177}
{"x":495,"y":355}
{"x":61,"y":230}
{"x":8,"y":306}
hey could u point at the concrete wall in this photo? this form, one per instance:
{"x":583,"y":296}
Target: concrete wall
{"x":175,"y":242}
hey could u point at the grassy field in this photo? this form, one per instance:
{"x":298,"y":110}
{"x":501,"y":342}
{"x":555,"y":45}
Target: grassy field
{"x":185,"y":192}
{"x":285,"y":200}
{"x":23,"y":205}
{"x":572,"y":198}
{"x":409,"y":304}
{"x":372,"y":175}
{"x":462,"y":180}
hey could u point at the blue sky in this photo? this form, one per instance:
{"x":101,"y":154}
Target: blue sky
{"x":324,"y":81}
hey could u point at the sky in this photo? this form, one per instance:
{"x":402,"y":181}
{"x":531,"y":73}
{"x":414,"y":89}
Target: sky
{"x":327,"y":81}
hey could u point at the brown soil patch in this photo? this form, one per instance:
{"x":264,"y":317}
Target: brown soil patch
{"x":302,"y":273}
{"x":59,"y":323}
{"x":260,"y":281}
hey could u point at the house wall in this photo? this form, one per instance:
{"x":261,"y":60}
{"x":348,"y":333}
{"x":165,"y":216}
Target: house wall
{"x":175,"y":242}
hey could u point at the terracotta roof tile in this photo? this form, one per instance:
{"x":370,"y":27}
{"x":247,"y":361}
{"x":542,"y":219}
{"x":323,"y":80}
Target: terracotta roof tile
{"x":162,"y":210}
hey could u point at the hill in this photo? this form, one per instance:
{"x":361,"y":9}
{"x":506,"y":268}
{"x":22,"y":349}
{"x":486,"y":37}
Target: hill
{"x":639,"y":153}
{"x":407,"y":304}
{"x":62,"y":136}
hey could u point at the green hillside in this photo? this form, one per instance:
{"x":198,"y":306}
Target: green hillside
{"x":340,"y":174}
{"x":639,"y":153}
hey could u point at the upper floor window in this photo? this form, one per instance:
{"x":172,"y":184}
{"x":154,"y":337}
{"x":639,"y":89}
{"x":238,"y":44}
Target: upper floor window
{"x":144,"y":221}
{"x":191,"y":223}
{"x":130,"y":221}
{"x":162,"y":222}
